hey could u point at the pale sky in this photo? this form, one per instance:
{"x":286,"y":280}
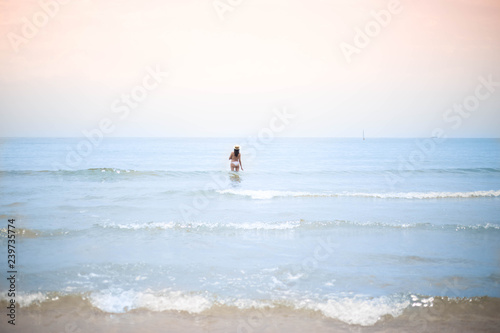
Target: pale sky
{"x":227,"y":75}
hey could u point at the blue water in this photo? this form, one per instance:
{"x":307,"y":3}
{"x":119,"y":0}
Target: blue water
{"x":310,"y":223}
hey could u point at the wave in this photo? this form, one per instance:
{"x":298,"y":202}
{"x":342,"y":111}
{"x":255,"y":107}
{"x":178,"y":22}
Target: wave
{"x":208,"y":225}
{"x":187,"y":173}
{"x":270,"y":194}
{"x":288,"y":225}
{"x":106,"y":171}
{"x":20,"y":232}
{"x":257,"y":226}
{"x":32,"y":233}
{"x":352,"y":310}
{"x":83,"y":172}
{"x":444,"y":170}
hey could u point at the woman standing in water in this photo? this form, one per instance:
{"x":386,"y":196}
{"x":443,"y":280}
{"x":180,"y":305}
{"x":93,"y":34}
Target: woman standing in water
{"x":235,"y":158}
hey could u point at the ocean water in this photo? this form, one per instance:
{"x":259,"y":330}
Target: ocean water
{"x":355,"y":230}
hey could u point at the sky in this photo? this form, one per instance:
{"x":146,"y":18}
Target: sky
{"x":226,"y":68}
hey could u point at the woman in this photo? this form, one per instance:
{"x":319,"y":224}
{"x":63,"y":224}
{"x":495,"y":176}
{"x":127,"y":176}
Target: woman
{"x":235,"y":158}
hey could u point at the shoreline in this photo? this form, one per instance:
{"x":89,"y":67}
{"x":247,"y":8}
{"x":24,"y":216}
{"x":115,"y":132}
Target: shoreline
{"x":66,"y":315}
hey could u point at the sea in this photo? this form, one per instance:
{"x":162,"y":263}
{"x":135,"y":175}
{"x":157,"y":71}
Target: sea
{"x":355,"y":231}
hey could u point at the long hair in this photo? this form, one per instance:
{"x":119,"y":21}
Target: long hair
{"x":236,"y":152}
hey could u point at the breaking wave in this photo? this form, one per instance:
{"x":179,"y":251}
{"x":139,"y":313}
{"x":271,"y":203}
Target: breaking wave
{"x":356,"y":310}
{"x":270,"y":194}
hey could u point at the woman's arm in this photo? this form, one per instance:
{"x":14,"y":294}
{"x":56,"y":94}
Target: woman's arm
{"x":231,"y":156}
{"x":239,"y":159}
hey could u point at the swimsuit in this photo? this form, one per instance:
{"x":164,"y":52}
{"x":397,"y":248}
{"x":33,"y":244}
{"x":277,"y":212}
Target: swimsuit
{"x":235,"y":163}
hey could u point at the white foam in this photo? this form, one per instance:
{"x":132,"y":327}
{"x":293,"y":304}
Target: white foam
{"x":263,"y":225}
{"x":478,"y":226}
{"x":119,"y":301}
{"x":428,"y":195}
{"x":270,"y":194}
{"x":286,"y":225}
{"x":25,"y":299}
{"x":206,"y":225}
{"x":262,"y":194}
{"x":417,"y":301}
{"x":351,"y":310}
{"x":357,"y":311}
